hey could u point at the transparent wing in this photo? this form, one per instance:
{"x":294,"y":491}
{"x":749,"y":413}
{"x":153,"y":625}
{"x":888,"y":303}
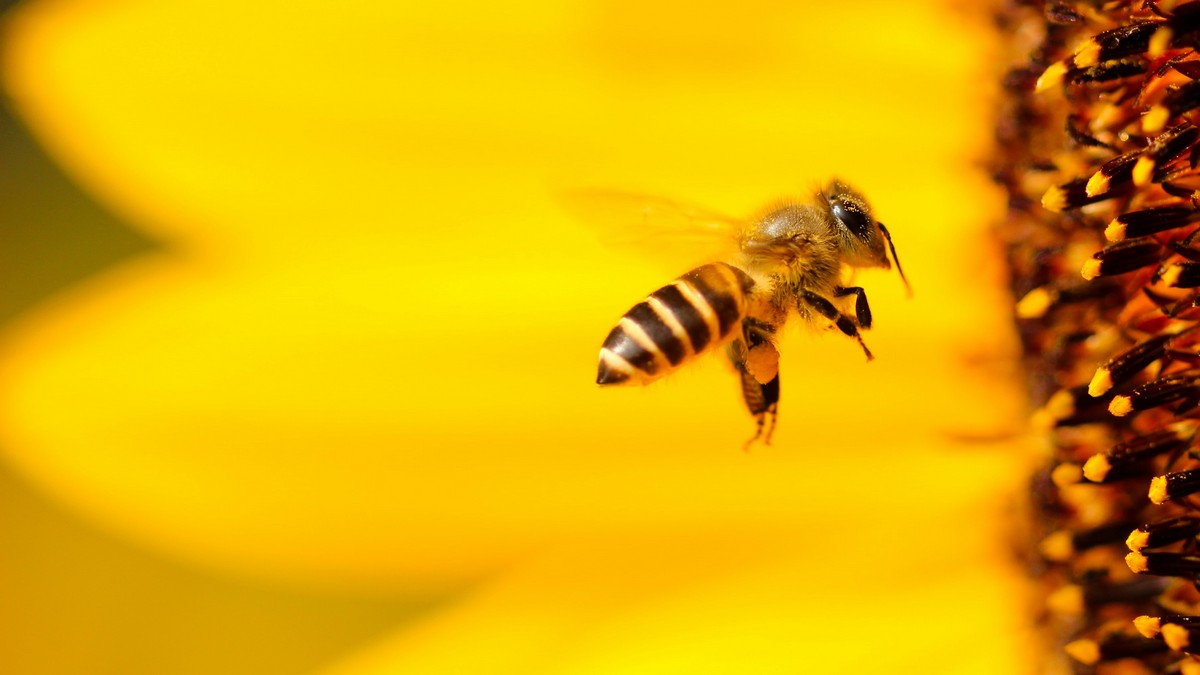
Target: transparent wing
{"x":670,"y":232}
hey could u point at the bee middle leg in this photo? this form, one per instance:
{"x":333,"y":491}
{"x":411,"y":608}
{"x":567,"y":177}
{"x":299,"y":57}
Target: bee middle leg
{"x":861,"y":309}
{"x":844,"y":323}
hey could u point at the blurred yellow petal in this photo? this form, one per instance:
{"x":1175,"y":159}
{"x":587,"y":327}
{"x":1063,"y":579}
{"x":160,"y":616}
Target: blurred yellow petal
{"x":885,"y":586}
{"x":365,"y":358}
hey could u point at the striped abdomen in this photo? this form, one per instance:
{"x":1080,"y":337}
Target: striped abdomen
{"x":678,"y":321}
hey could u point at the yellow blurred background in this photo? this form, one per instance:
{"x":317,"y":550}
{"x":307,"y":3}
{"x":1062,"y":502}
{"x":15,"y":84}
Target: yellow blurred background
{"x":299,"y":345}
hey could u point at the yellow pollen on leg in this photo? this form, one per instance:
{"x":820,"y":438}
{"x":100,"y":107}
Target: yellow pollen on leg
{"x":762,"y":362}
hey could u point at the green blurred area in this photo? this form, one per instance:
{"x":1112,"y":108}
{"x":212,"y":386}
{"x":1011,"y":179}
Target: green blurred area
{"x":78,"y":600}
{"x":54,"y":234}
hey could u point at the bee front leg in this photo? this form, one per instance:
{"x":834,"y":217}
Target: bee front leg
{"x":826,"y":309}
{"x":757,"y":362}
{"x":861,"y":308}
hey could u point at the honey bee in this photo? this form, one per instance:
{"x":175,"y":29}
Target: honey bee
{"x":792,"y":258}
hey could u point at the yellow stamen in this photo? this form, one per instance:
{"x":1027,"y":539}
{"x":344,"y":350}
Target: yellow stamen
{"x":1137,"y":541}
{"x":1120,"y":406}
{"x":1170,"y":276}
{"x":1159,"y":42}
{"x":1088,"y":54}
{"x":1052,"y":77}
{"x":1055,"y":199}
{"x":1101,"y":382}
{"x":1084,"y":651}
{"x":1065,"y":475}
{"x":1066,"y":601}
{"x":1136,"y":562}
{"x":1115,"y":231}
{"x":1155,"y":119}
{"x":1058,"y":547}
{"x":1096,"y":468}
{"x":1148,"y":626}
{"x":1158,"y":491}
{"x":1035,"y":304}
{"x":1143,"y":171}
{"x":1097,"y":184}
{"x":1175,"y":636}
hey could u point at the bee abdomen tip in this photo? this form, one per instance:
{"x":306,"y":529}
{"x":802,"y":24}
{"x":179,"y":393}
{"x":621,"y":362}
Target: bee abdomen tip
{"x":609,"y":376}
{"x":607,"y":373}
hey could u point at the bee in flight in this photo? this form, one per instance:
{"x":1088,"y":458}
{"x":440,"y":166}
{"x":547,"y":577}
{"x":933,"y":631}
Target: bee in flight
{"x":790,"y":258}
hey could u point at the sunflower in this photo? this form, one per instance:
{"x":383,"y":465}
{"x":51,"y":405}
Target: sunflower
{"x":305,"y":370}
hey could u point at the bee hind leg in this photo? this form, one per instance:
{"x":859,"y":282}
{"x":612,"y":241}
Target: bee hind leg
{"x":757,"y":361}
{"x":844,"y":323}
{"x":763,"y":402}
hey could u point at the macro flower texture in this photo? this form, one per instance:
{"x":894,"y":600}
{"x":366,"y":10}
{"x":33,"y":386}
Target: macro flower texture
{"x":1098,"y":156}
{"x":300,"y":338}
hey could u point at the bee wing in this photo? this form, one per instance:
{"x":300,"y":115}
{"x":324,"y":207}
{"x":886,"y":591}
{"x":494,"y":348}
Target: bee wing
{"x":673,"y":232}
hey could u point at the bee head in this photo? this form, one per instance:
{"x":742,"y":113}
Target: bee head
{"x":863,"y":237}
{"x":862,"y":244}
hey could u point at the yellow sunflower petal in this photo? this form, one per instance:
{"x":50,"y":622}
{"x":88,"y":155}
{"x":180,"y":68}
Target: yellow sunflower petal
{"x":817,"y":595}
{"x":366,"y":357}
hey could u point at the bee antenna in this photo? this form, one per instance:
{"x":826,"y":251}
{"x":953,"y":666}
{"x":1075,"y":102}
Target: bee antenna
{"x":888,"y":235}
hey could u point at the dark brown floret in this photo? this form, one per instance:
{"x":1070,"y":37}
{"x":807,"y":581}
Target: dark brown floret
{"x":1164,"y":533}
{"x":1149,"y":221}
{"x":1105,"y":142}
{"x":1126,"y":459}
{"x":1123,"y":257}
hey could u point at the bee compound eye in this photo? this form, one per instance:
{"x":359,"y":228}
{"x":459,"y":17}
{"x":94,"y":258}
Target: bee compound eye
{"x":850,"y":216}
